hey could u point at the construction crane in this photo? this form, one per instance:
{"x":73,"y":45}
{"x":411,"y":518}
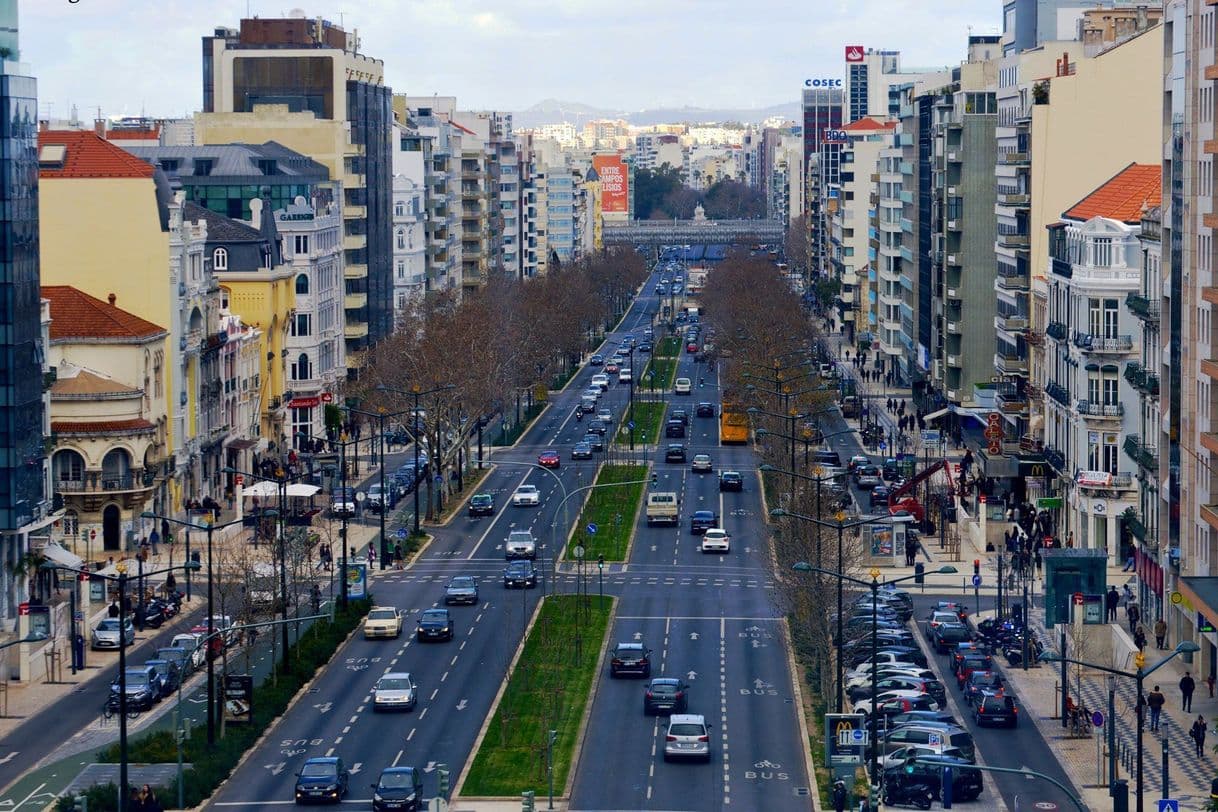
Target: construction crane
{"x":904,"y":498}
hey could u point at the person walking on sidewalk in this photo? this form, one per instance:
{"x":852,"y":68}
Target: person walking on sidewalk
{"x":1160,"y":633}
{"x":1111,"y":601}
{"x":397,"y":556}
{"x":1197,"y":732}
{"x":1155,"y":700}
{"x":1133,"y":615}
{"x":1187,"y":686}
{"x":1139,"y":637}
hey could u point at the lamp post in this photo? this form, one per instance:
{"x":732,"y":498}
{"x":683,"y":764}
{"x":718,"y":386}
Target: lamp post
{"x":563,"y":486}
{"x":817,"y":479}
{"x":121,"y":580}
{"x":874,"y":585}
{"x":416,"y":393}
{"x":209,"y":527}
{"x":1139,"y":676}
{"x":841,"y":525}
{"x":342,"y":444}
{"x":380,"y":414}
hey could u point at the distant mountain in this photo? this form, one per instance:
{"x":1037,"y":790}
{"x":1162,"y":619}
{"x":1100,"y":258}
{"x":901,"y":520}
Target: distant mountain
{"x":553,"y":111}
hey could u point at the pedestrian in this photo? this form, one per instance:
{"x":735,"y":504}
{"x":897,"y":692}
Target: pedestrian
{"x":1133,"y":614}
{"x":839,"y":795}
{"x":1187,"y":686}
{"x":1209,"y":682}
{"x":1161,"y":635}
{"x":1128,"y":594}
{"x":1197,"y":732}
{"x":1155,"y":700}
{"x":1129,"y":562}
{"x":397,"y":556}
{"x":1111,"y":601}
{"x":114,"y":610}
{"x":371,"y":556}
{"x":1139,"y":637}
{"x":154,"y":538}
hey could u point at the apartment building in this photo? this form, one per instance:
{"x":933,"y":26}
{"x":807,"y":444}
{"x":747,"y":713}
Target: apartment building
{"x":1096,"y":261}
{"x":409,"y":241}
{"x":305,"y":84}
{"x":424,"y":152}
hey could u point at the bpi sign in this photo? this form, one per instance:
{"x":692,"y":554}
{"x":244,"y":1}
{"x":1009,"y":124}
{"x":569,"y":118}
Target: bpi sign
{"x":822,"y":82}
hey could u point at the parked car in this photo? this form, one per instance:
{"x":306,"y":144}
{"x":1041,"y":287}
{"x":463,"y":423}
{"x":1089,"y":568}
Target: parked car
{"x":180,"y":657}
{"x":190,"y":643}
{"x":108,"y":634}
{"x":169,"y":676}
{"x":395,"y":691}
{"x":143,"y":688}
{"x":321,"y":780}
{"x":342,"y":502}
{"x":435,"y":624}
{"x":461,"y":589}
{"x":376,"y":500}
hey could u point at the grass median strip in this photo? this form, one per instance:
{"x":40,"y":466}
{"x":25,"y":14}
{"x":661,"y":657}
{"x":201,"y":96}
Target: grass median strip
{"x":547,"y":690}
{"x":612,"y":510}
{"x":665,"y":373}
{"x":647,"y":418}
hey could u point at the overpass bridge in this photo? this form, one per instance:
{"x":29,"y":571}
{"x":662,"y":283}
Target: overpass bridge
{"x":693,"y":232}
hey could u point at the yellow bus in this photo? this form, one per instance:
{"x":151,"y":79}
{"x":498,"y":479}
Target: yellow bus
{"x":733,"y":424}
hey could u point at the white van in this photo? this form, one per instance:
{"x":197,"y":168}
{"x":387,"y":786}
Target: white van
{"x":663,"y":507}
{"x":683,"y":386}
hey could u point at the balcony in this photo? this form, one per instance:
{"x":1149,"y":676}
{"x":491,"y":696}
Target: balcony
{"x":1209,"y":514}
{"x":954,"y":156}
{"x":1014,"y":158}
{"x":1105,"y":411}
{"x":1103,"y":481}
{"x":1143,"y":307}
{"x":1011,"y":398}
{"x":954,"y":260}
{"x":953,"y":328}
{"x":1012,"y":279}
{"x":355,"y":301}
{"x":1058,"y":392}
{"x":108,"y":482}
{"x":1014,"y":199}
{"x":354,"y":330}
{"x":1057,"y":331}
{"x":1056,"y":459}
{"x":953,"y":360}
{"x":1062,"y":268}
{"x":1147,"y":457}
{"x":1009,"y":363}
{"x":1012,"y":324}
{"x":1134,"y":522}
{"x":1013,"y":240}
{"x":1101,"y":345}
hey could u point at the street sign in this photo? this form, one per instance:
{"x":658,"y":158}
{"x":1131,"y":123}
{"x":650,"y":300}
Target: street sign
{"x":976,"y":580}
{"x":630,"y":425}
{"x":883,"y":445}
{"x":591,"y":528}
{"x":1078,"y":598}
{"x":1097,"y":719}
{"x":935,"y":740}
{"x":239,"y":480}
{"x":92,"y":535}
{"x":579,"y":551}
{"x":930,"y":435}
{"x":1169,"y":805}
{"x":1177,"y":598}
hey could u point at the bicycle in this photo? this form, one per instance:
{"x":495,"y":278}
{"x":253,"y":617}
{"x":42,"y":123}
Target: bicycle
{"x":110,"y":710}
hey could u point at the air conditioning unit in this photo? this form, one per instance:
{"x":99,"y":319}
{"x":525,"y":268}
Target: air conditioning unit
{"x":936,"y":370}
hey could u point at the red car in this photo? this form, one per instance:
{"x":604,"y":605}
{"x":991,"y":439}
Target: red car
{"x":691,"y":347}
{"x":548,"y":459}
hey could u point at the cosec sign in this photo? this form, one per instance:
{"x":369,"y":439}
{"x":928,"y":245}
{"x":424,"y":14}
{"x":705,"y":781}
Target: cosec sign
{"x":822,"y":82}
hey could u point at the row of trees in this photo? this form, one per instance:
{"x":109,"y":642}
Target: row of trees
{"x":489,"y":346}
{"x":661,"y":194}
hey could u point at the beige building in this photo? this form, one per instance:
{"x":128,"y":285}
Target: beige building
{"x":108,"y":418}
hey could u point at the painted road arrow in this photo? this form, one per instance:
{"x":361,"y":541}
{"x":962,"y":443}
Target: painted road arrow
{"x":691,"y":676}
{"x":9,"y":757}
{"x":431,"y":766}
{"x":462,"y":704}
{"x":638,"y":635}
{"x":761,"y":684}
{"x":693,"y":635}
{"x":356,"y":767}
{"x":324,"y":707}
{"x":276,"y":769}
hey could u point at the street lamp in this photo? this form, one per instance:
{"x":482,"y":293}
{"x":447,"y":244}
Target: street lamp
{"x":1140,"y":675}
{"x":563,"y":486}
{"x":766,"y":467}
{"x":841,"y":525}
{"x":342,"y":442}
{"x":209,"y":527}
{"x":874,"y":585}
{"x":416,"y":393}
{"x":121,"y":579}
{"x":380,"y":414}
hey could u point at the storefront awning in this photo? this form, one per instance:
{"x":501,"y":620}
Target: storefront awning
{"x":1201,"y":595}
{"x":936,"y":415}
{"x":62,"y":557}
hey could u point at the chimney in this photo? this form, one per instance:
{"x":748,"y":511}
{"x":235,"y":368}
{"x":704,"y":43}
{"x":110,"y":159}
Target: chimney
{"x":112,"y":298}
{"x":1065,"y":63}
{"x":99,"y":127}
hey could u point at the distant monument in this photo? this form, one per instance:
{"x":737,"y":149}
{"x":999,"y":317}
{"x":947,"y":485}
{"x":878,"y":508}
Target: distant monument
{"x":699,"y":214}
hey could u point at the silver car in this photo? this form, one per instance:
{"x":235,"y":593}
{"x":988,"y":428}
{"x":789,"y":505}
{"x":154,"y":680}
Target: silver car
{"x":688,"y":737}
{"x":107,"y":634}
{"x":395,"y":691}
{"x":461,"y":589}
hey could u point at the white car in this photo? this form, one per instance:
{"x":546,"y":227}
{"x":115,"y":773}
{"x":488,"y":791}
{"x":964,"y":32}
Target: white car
{"x":702,"y":464}
{"x":382,"y":621}
{"x":593,"y":392}
{"x":683,"y":386}
{"x":604,"y":415}
{"x":864,"y":705}
{"x":526,"y":496}
{"x":863,"y":670}
{"x":716,"y":540}
{"x":601,"y":380}
{"x":624,"y":375}
{"x":863,"y":680}
{"x":190,"y":644}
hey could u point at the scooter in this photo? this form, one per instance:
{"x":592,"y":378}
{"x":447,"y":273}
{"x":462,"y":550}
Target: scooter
{"x":579,"y":415}
{"x":917,"y":795}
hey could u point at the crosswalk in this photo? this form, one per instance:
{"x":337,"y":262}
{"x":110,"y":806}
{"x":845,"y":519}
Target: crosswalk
{"x":735,"y":582}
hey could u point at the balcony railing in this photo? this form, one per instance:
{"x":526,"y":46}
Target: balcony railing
{"x":1012,"y":323}
{"x":1010,"y":363}
{"x":1058,"y":392}
{"x":1014,"y":158}
{"x":103,"y":482}
{"x":1143,"y":307}
{"x":1091,"y":408}
{"x":1142,"y":379}
{"x":1101,"y":344}
{"x":1057,"y":331}
{"x":1062,"y":268}
{"x":1056,"y":459}
{"x":1147,"y":457}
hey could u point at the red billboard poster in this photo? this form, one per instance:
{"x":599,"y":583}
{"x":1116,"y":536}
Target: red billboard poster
{"x":854,"y":53}
{"x":615,"y":197}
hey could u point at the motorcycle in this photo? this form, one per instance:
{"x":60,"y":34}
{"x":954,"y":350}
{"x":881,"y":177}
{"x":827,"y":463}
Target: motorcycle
{"x":579,"y":415}
{"x":917,"y":795}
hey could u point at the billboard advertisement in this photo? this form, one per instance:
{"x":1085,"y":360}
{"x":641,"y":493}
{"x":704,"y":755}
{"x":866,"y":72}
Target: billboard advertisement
{"x":615,"y":197}
{"x":854,"y":53}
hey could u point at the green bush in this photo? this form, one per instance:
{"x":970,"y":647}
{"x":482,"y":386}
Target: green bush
{"x":212,"y":765}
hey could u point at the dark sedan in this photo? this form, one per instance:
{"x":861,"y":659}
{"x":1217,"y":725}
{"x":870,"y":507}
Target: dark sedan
{"x":996,"y":710}
{"x":581,"y":451}
{"x":665,"y":695}
{"x":879,"y":496}
{"x":705,"y":409}
{"x":674,"y":453}
{"x":399,"y":788}
{"x":595,"y":441}
{"x":947,"y":635}
{"x":482,"y":504}
{"x":321,"y":780}
{"x":435,"y":624}
{"x":703,"y":520}
{"x":731,"y":481}
{"x":520,"y":574}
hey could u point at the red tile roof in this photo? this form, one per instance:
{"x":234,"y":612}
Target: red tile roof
{"x":1123,"y":197}
{"x":137,"y":424}
{"x":87,"y":155}
{"x":77,"y":315}
{"x":870,"y":123}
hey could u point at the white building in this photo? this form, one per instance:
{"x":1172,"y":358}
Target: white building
{"x":1096,"y":259}
{"x":409,"y":242}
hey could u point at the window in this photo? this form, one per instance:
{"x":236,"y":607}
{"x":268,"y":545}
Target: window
{"x":301,"y":368}
{"x":302,"y":283}
{"x":71,"y":523}
{"x":69,"y":466}
{"x":399,"y":209}
{"x":219,"y":259}
{"x":302,"y":325}
{"x":1101,"y":252}
{"x":401,"y":239}
{"x":300,"y":244}
{"x":401,"y":269}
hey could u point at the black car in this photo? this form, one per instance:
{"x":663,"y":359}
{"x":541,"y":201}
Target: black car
{"x":731,"y":481}
{"x":966,"y":783}
{"x":630,"y":658}
{"x":879,"y":495}
{"x":981,"y":683}
{"x":915,"y":716}
{"x":169,"y":676}
{"x":321,"y":781}
{"x":482,"y":504}
{"x":521,"y":574}
{"x":581,"y":451}
{"x":665,"y":695}
{"x":947,"y":635}
{"x":597,"y":427}
{"x":997,"y":709}
{"x":674,"y":453}
{"x":595,"y":441}
{"x":674,"y":428}
{"x":679,"y":414}
{"x":143,"y":688}
{"x":705,"y":409}
{"x":435,"y":624}
{"x":891,"y":471}
{"x":702,"y":520}
{"x":399,"y":788}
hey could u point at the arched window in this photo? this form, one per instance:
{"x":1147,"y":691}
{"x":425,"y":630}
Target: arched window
{"x":302,"y":283}
{"x":116,"y":469}
{"x":219,"y":259}
{"x":302,"y":369}
{"x":69,"y":468}
{"x":401,"y":239}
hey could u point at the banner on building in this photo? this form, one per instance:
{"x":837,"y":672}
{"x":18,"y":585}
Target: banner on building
{"x":615,"y":183}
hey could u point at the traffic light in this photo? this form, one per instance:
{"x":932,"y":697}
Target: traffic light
{"x":910,"y":762}
{"x":442,"y":770}
{"x":80,"y":803}
{"x":527,"y":802}
{"x":976,"y":566}
{"x":600,"y":561}
{"x":654,"y":478}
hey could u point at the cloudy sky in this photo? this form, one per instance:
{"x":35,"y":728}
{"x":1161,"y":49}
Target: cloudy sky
{"x":142,"y":56}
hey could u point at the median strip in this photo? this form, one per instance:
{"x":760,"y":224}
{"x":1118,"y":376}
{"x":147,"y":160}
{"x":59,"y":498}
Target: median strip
{"x":547,"y":690}
{"x":647,"y":418}
{"x":614,"y":510}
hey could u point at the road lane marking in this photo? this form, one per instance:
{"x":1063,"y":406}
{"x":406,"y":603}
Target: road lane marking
{"x":433,"y":695}
{"x":410,"y":735}
{"x":421,"y":715}
{"x":444,"y":677}
{"x":397,"y":758}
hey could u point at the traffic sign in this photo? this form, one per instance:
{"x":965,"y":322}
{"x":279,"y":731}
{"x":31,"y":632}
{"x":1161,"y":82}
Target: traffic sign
{"x":1177,"y":598}
{"x":1078,"y":598}
{"x":976,"y":580}
{"x":579,"y":551}
{"x":1097,"y":719}
{"x":591,"y":528}
{"x":1169,"y":805}
{"x":92,"y":535}
{"x":239,"y":480}
{"x":883,"y":445}
{"x":630,"y":425}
